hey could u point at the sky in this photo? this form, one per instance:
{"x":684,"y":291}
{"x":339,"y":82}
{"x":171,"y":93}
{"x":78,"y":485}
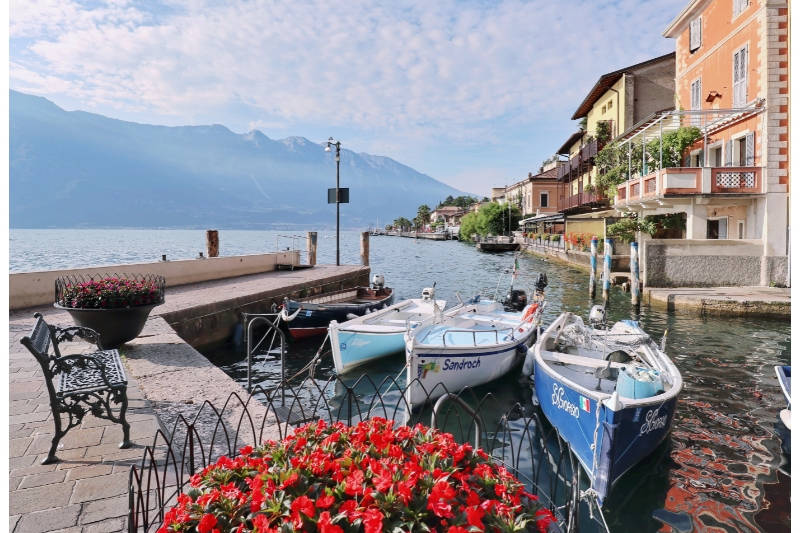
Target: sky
{"x":473,"y":93}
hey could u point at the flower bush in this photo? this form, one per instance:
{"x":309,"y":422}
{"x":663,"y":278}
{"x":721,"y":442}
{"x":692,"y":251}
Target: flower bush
{"x":371,"y":477}
{"x":110,"y":292}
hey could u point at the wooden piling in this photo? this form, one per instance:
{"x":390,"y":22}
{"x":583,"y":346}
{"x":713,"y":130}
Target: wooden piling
{"x":212,"y":243}
{"x":635,"y":288}
{"x":311,"y":247}
{"x":593,"y":268}
{"x":609,"y":251}
{"x":365,"y":248}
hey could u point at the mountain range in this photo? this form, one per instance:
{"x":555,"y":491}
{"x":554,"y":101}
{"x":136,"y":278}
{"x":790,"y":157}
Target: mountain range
{"x":71,"y":169}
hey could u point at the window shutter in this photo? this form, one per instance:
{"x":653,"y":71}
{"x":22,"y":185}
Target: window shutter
{"x":729,"y":153}
{"x":695,"y":34}
{"x":740,"y":78}
{"x":750,"y":149}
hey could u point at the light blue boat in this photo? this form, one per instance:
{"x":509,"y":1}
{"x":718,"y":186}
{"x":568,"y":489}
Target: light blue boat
{"x":379,"y":334}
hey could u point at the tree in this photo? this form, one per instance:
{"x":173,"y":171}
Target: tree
{"x":402,"y":223}
{"x":469,"y":226}
{"x":492,"y":219}
{"x":423,"y":216}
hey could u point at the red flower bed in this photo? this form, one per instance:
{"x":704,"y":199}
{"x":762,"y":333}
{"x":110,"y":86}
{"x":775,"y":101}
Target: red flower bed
{"x":337,"y":478}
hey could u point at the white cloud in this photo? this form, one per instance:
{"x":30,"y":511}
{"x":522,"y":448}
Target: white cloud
{"x":416,"y":71}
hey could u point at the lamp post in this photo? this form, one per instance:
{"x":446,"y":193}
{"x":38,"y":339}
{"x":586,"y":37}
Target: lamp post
{"x":338,"y":146}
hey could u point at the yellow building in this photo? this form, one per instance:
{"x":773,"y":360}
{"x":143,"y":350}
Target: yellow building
{"x":617,"y":101}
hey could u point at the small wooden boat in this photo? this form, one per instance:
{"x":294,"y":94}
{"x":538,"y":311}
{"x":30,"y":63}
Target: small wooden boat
{"x":473,"y":344}
{"x":311,"y":316}
{"x":375,"y":335}
{"x":784,"y":373}
{"x":610,"y":392}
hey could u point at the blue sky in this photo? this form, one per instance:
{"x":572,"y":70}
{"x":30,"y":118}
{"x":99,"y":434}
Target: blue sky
{"x":473,"y":93}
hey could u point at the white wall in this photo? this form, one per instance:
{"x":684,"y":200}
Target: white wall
{"x":29,"y":289}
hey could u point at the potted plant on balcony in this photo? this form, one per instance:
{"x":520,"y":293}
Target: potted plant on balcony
{"x":115,"y":306}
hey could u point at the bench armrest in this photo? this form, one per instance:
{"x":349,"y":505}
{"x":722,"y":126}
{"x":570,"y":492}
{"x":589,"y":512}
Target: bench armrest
{"x":69,"y":334}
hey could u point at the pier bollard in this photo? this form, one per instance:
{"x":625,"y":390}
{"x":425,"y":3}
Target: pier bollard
{"x":311,"y":247}
{"x":365,"y":248}
{"x":593,"y":268}
{"x":635,"y":292}
{"x":212,"y":242}
{"x":609,"y":250}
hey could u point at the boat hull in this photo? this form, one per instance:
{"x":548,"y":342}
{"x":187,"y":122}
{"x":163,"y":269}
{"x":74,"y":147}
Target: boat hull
{"x":313,"y":318}
{"x":432,"y":372}
{"x":624,"y":436}
{"x":355,"y":348}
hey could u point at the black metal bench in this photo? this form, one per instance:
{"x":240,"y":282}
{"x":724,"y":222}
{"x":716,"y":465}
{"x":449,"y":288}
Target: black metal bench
{"x":86,"y":383}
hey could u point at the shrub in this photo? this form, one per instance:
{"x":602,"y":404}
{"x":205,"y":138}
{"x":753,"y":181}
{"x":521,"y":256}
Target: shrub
{"x":370,"y":477}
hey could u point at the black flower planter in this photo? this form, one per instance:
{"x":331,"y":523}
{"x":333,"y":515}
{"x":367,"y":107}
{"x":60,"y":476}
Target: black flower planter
{"x":115,"y":326}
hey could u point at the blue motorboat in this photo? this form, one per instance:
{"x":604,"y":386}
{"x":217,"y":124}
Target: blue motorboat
{"x":784,"y":373}
{"x":610,"y":392}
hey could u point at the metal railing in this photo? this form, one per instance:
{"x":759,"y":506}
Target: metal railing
{"x":516,"y":437}
{"x":272,"y":335}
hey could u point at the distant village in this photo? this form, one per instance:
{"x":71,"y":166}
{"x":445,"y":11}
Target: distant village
{"x":686,"y":152}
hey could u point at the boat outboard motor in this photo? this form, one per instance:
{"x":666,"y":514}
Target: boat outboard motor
{"x":597,"y":316}
{"x":515,"y":300}
{"x":428,"y":293}
{"x":541,"y":282}
{"x":378,"y":281}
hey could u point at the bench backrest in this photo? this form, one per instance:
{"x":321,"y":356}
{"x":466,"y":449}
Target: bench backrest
{"x":38,"y":342}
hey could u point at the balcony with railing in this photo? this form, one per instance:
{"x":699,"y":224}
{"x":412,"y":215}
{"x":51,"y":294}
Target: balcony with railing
{"x":682,"y":181}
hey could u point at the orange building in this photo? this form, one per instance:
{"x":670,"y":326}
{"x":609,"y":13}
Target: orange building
{"x":731,"y":82}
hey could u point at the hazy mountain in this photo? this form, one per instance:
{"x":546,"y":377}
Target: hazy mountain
{"x":78,"y":169}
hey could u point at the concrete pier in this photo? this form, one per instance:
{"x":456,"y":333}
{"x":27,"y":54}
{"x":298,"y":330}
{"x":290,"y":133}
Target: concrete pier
{"x":168,"y":378}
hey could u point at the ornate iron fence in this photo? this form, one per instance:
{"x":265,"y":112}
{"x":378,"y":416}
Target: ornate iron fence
{"x":517,"y":437}
{"x":146,"y":289}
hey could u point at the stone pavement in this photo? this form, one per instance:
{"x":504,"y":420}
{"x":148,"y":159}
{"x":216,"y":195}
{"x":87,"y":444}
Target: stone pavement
{"x":730,"y":301}
{"x":87,"y":490}
{"x":167,"y":379}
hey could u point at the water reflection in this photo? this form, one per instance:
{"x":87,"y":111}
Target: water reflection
{"x":720,"y":467}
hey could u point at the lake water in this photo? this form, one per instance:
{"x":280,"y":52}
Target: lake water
{"x":724,"y":465}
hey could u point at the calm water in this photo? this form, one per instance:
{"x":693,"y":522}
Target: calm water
{"x":724,"y":465}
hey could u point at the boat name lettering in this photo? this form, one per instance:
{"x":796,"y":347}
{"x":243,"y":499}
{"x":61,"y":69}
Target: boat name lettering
{"x":461,"y":365}
{"x":652,"y":422}
{"x":562,"y":403}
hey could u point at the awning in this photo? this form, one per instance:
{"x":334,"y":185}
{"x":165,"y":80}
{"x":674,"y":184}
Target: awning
{"x":548,"y":217}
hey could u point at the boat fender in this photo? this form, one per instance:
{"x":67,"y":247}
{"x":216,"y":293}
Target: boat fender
{"x":530,"y":312}
{"x":286,"y":317}
{"x":527,"y":366}
{"x":351,"y":316}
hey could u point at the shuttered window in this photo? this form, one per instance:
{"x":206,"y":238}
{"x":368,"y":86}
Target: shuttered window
{"x":695,"y":100}
{"x":729,"y":154}
{"x":740,"y":77}
{"x":695,"y":34}
{"x":750,"y":150}
{"x":739,"y":6}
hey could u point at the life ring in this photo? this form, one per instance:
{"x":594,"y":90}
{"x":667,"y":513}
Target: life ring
{"x":529,"y":313}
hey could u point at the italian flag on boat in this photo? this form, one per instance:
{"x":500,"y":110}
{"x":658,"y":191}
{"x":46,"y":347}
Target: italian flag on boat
{"x":585,"y":404}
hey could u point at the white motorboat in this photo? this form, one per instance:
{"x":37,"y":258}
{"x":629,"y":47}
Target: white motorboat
{"x":380,"y":333}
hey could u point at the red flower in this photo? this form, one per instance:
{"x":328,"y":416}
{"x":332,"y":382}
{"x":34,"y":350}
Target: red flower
{"x":207,"y":523}
{"x":303,"y":504}
{"x":373,"y":521}
{"x":324,"y":524}
{"x":543,"y":519}
{"x":353,"y":482}
{"x":475,"y":517}
{"x":325,"y":501}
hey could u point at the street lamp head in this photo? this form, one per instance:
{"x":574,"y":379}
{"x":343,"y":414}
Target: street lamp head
{"x":328,"y":148}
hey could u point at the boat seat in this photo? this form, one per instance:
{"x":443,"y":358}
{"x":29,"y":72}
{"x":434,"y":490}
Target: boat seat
{"x":579,"y":360}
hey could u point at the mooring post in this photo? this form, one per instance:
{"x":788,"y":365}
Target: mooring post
{"x":365,"y":248}
{"x":311,"y":247}
{"x":212,"y":242}
{"x":635,"y":292}
{"x":609,"y":250}
{"x":593,"y":268}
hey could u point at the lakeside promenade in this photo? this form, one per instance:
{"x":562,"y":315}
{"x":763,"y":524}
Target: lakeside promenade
{"x":167,"y":377}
